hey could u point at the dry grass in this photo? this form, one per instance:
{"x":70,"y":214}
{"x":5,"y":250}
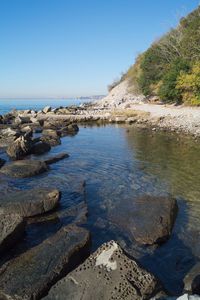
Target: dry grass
{"x":130,"y":113}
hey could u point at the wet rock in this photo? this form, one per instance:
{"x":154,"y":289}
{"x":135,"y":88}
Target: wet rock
{"x":31,"y":274}
{"x":19,"y":148}
{"x":40,"y":148}
{"x":24,"y":168}
{"x":192,"y":280}
{"x":51,"y":136}
{"x":46,"y":109}
{"x":53,"y":141}
{"x":70,"y":129}
{"x":149,"y":220}
{"x":30,"y":202}
{"x":2,"y":162}
{"x":106,"y":274}
{"x":50,"y":132}
{"x":56,"y":158}
{"x":12,"y":228}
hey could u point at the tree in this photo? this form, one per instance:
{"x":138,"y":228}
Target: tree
{"x":188,"y":84}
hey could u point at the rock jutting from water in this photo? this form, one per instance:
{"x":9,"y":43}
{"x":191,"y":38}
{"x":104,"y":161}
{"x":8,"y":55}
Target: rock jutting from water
{"x":31,"y":274}
{"x":106,"y":274}
{"x":24,"y":168}
{"x":28,"y":203}
{"x":53,"y":159}
{"x":19,"y":148}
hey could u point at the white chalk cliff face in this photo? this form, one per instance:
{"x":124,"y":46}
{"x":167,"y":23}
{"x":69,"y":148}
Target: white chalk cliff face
{"x":120,"y":97}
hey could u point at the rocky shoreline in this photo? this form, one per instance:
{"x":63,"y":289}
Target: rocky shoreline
{"x":61,"y":266}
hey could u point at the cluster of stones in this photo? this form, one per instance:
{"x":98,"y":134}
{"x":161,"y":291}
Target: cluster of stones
{"x":61,"y":266}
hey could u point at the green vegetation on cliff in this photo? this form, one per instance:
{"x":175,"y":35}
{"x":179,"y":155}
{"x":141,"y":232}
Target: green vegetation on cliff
{"x":170,"y":68}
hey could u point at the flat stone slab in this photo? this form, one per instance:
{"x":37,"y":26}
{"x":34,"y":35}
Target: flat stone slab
{"x":31,"y":274}
{"x":30,"y":202}
{"x":56,"y":158}
{"x":12,"y":228}
{"x":147,"y":219}
{"x":24,"y":168}
{"x":106,"y":274}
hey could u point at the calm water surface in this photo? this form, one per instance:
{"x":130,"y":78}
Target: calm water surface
{"x":118,"y":164}
{"x":36,"y":104}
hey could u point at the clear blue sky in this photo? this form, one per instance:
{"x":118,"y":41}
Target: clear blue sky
{"x":76,"y":47}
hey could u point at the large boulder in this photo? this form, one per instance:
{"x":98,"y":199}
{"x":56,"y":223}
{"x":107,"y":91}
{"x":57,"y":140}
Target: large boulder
{"x":7,"y":136}
{"x":30,"y":202}
{"x":106,"y":274}
{"x":19,"y":148}
{"x":31,"y":274}
{"x":147,"y":219}
{"x":24,"y":168}
{"x":51,"y":137}
{"x":12,"y":227}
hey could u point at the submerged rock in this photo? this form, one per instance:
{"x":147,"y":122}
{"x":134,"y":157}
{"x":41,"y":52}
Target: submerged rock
{"x":12,"y":228}
{"x":106,"y":274}
{"x":31,"y":274}
{"x":30,"y":202}
{"x":24,"y":168}
{"x":56,"y":158}
{"x":148,"y":220}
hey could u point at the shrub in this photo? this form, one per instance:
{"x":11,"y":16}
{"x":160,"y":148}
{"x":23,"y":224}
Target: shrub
{"x":168,"y":91}
{"x":188,"y":84}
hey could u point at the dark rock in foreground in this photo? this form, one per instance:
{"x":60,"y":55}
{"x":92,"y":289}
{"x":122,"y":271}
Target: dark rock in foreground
{"x":12,"y":228}
{"x":24,"y":168}
{"x":56,"y":158}
{"x":31,"y":274}
{"x":30,"y":202}
{"x":107,"y":274}
{"x":148,"y":220}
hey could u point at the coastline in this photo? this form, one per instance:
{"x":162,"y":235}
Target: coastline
{"x":153,"y":116}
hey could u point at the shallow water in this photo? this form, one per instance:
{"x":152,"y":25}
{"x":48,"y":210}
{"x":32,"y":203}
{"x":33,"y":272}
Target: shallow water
{"x":118,"y":163}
